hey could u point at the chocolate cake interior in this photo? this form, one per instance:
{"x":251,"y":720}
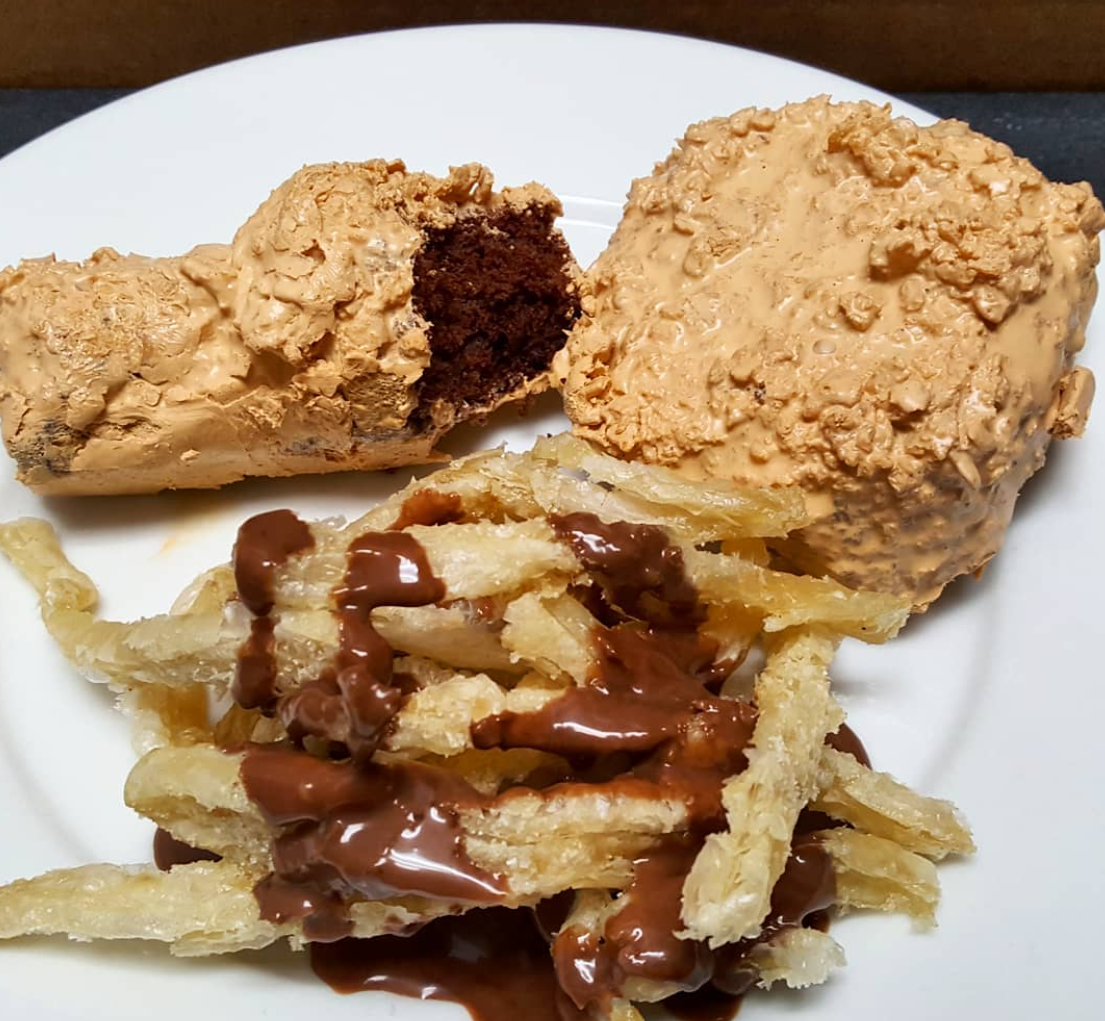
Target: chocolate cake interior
{"x":495,"y":290}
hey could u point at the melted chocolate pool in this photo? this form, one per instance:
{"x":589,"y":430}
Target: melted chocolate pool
{"x":494,"y":962}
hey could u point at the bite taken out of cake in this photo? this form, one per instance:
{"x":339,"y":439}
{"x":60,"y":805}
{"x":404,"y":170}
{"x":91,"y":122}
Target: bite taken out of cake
{"x":359,"y":314}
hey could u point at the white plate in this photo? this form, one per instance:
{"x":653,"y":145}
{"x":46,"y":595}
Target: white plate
{"x":994,"y":699}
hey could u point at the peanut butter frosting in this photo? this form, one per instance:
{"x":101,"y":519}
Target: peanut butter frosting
{"x":827,"y":296}
{"x":294,"y":349}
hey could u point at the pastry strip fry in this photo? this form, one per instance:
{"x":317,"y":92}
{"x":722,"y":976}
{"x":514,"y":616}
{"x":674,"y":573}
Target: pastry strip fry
{"x":799,"y":958}
{"x":788,"y":600}
{"x":878,"y":874}
{"x":719,"y":509}
{"x":878,"y":804}
{"x":728,"y":892}
{"x":200,"y":909}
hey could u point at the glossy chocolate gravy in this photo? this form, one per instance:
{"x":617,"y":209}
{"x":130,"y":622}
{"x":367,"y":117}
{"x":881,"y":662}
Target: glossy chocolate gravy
{"x":495,"y":962}
{"x":641,"y":572}
{"x":350,"y":826}
{"x":647,"y":722}
{"x":352,"y":703}
{"x":640,"y":942}
{"x":264,"y":543}
{"x":362,"y":829}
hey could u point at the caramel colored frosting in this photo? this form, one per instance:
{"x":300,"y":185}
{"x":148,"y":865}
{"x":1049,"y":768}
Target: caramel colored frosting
{"x":830,"y":297}
{"x":294,"y":349}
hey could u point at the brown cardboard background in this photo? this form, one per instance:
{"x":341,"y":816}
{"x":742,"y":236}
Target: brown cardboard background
{"x":895,"y":44}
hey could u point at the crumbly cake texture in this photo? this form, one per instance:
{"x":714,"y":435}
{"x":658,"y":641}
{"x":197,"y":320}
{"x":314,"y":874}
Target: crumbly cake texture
{"x":361,"y":312}
{"x":827,"y":296}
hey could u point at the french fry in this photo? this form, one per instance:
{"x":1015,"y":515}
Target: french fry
{"x":559,"y":494}
{"x":33,"y":548}
{"x":788,"y":600}
{"x":200,"y":909}
{"x":197,"y":795}
{"x":492,"y":485}
{"x":473,"y":560}
{"x":728,"y":892}
{"x":552,"y":634}
{"x":754,"y":550}
{"x":147,"y":651}
{"x":735,"y":629}
{"x":210,"y":904}
{"x":445,"y":633}
{"x":493,"y":770}
{"x":880,"y":875}
{"x":878,"y":804}
{"x":199,"y":643}
{"x":438,"y":718}
{"x":590,"y":912}
{"x":623,"y":1010}
{"x":798,"y":958}
{"x":238,"y":726}
{"x":163,"y":716}
{"x":724,"y":511}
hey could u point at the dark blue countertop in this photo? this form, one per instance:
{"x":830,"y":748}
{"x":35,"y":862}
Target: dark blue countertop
{"x":1063,"y":133}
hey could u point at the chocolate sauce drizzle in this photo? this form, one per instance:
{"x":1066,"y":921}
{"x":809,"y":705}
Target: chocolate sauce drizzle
{"x":353,"y":703}
{"x":641,"y":572}
{"x":265,"y":542}
{"x":350,"y":826}
{"x":648,"y":722}
{"x":494,"y":961}
{"x":649,"y":692}
{"x":359,"y":829}
{"x":645,"y":696}
{"x":640,"y":942}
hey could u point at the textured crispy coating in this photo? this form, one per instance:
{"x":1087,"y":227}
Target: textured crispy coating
{"x":304,"y":346}
{"x":209,"y":905}
{"x":199,"y":909}
{"x":787,"y":600}
{"x":799,"y":958}
{"x":878,"y":804}
{"x":728,"y":892}
{"x":830,"y":296}
{"x":876,"y":873}
{"x":705,"y":509}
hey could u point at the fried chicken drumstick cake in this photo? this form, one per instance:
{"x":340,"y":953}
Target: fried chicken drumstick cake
{"x":361,"y":312}
{"x":826,"y":296}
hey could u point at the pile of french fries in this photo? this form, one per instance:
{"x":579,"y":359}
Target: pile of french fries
{"x":510,"y":635}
